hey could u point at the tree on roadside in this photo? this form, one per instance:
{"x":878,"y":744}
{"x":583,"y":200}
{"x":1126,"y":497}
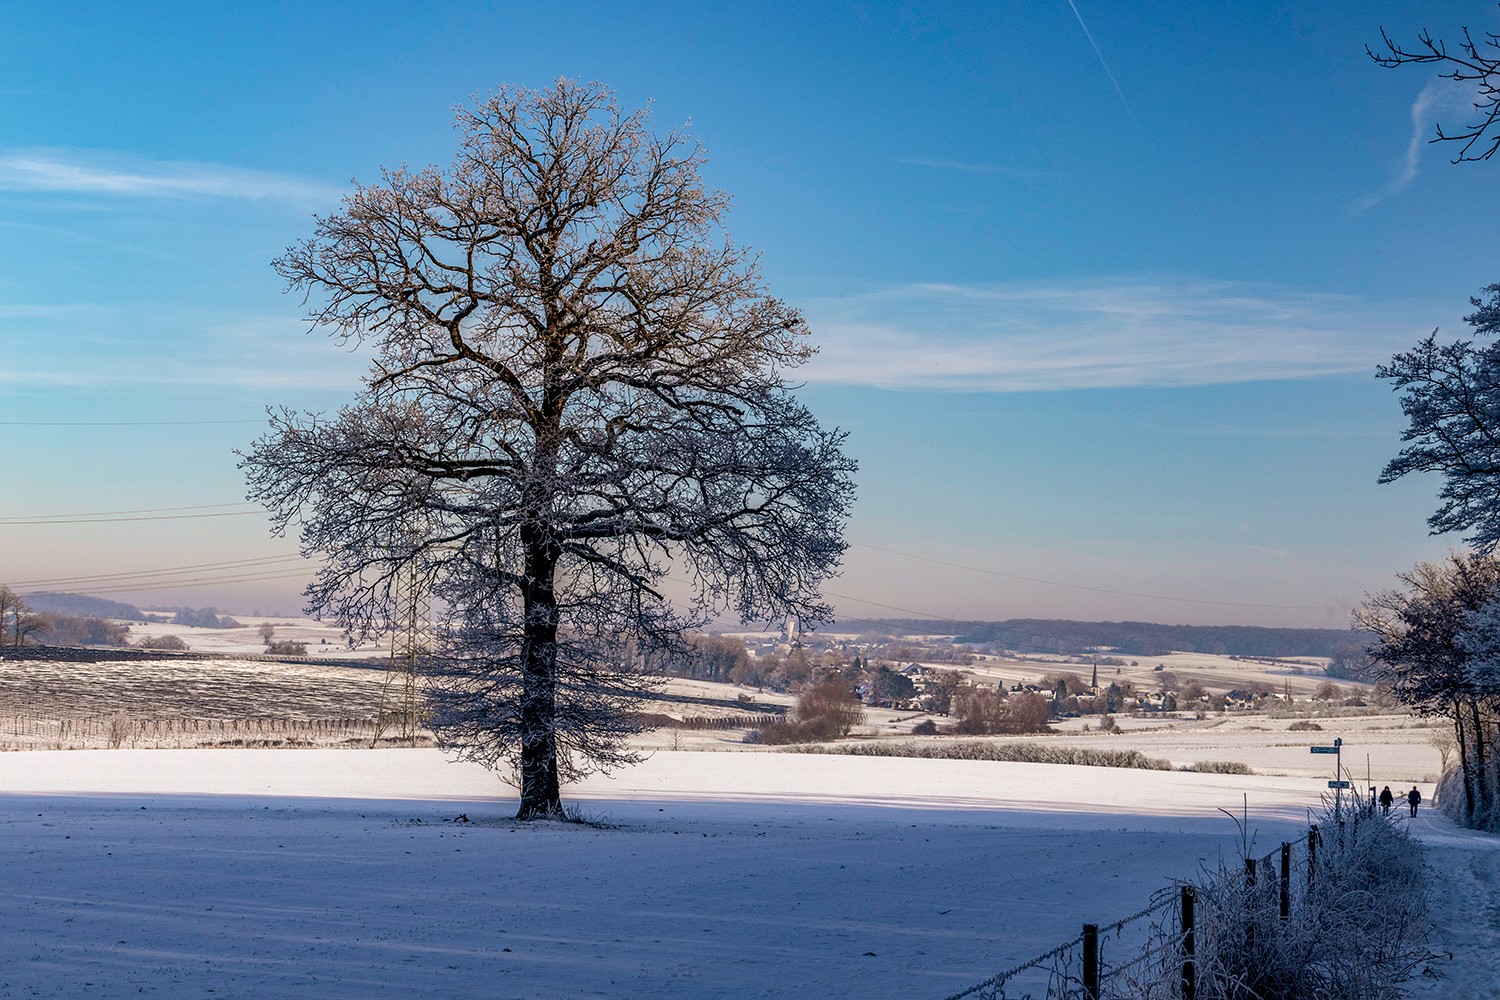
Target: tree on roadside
{"x":579,"y":387}
{"x":1431,"y":638}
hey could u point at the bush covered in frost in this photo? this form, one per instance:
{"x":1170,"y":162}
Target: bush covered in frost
{"x":1357,"y":927}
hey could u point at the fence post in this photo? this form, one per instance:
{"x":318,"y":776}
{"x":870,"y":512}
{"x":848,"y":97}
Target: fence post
{"x":1312,"y":852}
{"x":1091,"y":961}
{"x":1189,"y":945}
{"x":1250,"y":908}
{"x":1286,"y":880}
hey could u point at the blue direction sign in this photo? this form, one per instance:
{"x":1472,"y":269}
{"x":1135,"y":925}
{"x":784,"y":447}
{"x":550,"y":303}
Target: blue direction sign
{"x":1338,"y":784}
{"x":1324,"y":749}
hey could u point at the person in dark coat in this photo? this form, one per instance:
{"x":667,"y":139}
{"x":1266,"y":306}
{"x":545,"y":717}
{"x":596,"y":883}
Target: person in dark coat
{"x":1413,"y":799}
{"x":1386,"y":798}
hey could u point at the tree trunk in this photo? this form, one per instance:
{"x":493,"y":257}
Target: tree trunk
{"x":1481,"y":765}
{"x":541,"y":792}
{"x":1465,"y":765}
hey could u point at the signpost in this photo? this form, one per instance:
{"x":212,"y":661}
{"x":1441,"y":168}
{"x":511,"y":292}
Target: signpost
{"x":1336,"y":784}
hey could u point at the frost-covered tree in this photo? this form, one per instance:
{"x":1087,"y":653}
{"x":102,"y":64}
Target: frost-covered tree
{"x":1451,"y":398}
{"x":1429,"y":646}
{"x":18,"y":621}
{"x":579,"y":389}
{"x":11,"y":610}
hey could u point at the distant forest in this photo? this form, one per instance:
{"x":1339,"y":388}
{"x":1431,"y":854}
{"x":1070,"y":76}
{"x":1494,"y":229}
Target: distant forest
{"x":82,"y":605}
{"x":1037,"y":635}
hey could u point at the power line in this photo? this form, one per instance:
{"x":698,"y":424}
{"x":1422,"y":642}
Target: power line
{"x":144,"y":576}
{"x":16,"y":522}
{"x":207,"y":582}
{"x":32,"y":518}
{"x":889,"y":607}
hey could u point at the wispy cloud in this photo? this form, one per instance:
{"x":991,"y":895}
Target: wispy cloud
{"x":98,"y":172}
{"x":1107,"y":333}
{"x":1110,"y":333}
{"x":97,"y":347}
{"x":1440,"y":96}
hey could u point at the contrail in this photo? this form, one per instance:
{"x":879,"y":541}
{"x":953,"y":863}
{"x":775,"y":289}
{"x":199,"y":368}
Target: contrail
{"x":1089,"y":35}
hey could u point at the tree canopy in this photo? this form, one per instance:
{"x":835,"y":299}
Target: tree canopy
{"x":1433,"y":648}
{"x":1451,"y":398}
{"x":577,"y":428}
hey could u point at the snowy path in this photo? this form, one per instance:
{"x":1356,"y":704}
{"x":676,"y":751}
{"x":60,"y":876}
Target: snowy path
{"x":342,"y":874}
{"x":1466,"y":911}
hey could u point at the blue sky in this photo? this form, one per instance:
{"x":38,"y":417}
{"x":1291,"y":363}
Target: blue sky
{"x":1100,"y":309}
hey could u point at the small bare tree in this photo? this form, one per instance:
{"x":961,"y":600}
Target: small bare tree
{"x":11,"y":610}
{"x":578,"y":388}
{"x":18,"y":622}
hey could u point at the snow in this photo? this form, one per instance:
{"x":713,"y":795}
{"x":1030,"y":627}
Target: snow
{"x":332,"y":874}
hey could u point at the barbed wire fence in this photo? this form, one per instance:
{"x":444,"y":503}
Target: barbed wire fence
{"x":1338,"y":912}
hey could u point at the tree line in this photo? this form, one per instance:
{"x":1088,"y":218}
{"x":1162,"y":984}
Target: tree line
{"x":21,"y":624}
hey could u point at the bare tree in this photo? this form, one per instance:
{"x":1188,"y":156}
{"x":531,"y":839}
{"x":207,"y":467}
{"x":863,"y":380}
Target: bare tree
{"x":1474,"y":62}
{"x":18,"y":622}
{"x":578,"y":389}
{"x":1430,"y":636}
{"x":11,"y":608}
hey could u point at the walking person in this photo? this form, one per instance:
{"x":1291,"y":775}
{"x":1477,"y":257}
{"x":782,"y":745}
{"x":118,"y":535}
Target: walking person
{"x":1413,"y":799}
{"x":1386,"y":798}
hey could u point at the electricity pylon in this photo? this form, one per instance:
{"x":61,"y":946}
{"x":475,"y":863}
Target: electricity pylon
{"x":411,"y":639}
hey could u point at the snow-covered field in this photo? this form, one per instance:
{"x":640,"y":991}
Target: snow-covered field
{"x":328,"y":874}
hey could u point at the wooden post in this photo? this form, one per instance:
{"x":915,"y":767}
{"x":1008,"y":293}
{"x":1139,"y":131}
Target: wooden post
{"x":1091,"y":961}
{"x":1250,"y":908}
{"x":1286,"y":881}
{"x":1189,"y":945}
{"x":1312,"y":852}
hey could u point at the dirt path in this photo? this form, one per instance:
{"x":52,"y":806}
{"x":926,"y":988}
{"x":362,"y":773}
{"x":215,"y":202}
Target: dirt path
{"x":1465,"y":912}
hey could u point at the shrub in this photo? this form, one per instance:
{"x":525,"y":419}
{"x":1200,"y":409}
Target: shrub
{"x":1024,"y":753}
{"x":171,"y":642}
{"x":1219,"y":767}
{"x":1356,"y":933}
{"x":1453,"y":802}
{"x":1027,"y":712}
{"x":287,"y":647}
{"x":926,"y":727}
{"x":68,"y":630}
{"x":831,"y":709}
{"x":978,"y":710}
{"x":824,"y":712}
{"x":1304,"y":726}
